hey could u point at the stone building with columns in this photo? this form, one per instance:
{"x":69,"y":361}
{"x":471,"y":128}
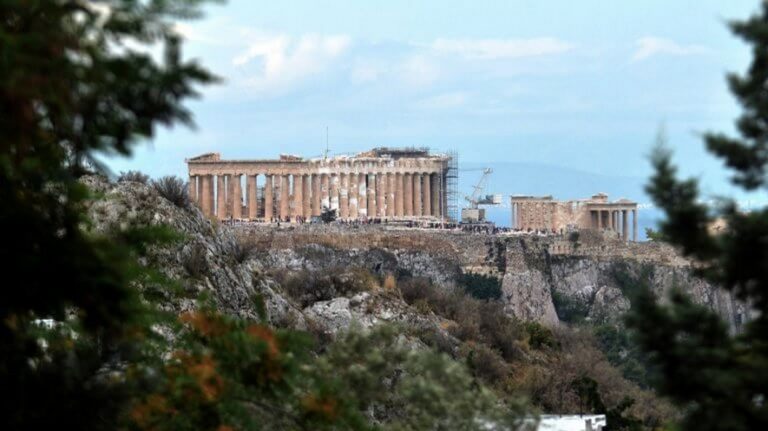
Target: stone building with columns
{"x":543,"y":213}
{"x":383,"y":183}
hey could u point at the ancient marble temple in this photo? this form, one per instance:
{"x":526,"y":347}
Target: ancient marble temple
{"x":383,"y":183}
{"x":543,"y":213}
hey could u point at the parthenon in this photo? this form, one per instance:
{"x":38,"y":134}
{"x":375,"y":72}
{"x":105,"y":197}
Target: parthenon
{"x":383,"y":183}
{"x":543,"y":213}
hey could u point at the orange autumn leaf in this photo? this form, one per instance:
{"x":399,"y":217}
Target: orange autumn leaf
{"x":155,"y":405}
{"x":206,"y":324}
{"x":265,"y":334}
{"x":325,"y":407}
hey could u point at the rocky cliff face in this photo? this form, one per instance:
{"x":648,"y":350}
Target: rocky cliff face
{"x":210,"y":259}
{"x":536,"y":273}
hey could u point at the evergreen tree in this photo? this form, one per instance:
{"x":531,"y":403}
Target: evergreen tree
{"x":718,"y":379}
{"x":72,"y":86}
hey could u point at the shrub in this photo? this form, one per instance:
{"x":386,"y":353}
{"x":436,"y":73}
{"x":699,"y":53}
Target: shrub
{"x":328,"y":215}
{"x":244,"y":247}
{"x":308,"y":287}
{"x":501,"y":331}
{"x":194,"y":261}
{"x":436,"y":339}
{"x":481,"y":286}
{"x":174,"y":189}
{"x":568,"y":309}
{"x":486,"y":364}
{"x":476,"y":320}
{"x":539,"y":336}
{"x":134,"y":176}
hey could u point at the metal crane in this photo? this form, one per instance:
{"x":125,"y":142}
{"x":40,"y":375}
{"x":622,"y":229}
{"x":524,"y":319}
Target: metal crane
{"x":475,"y":199}
{"x":473,"y":213}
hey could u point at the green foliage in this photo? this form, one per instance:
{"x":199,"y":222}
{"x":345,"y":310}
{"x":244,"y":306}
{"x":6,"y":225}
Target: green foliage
{"x":539,"y":336}
{"x":568,"y":309}
{"x":480,"y":286}
{"x":66,"y":93}
{"x":717,"y":379}
{"x":621,"y":351}
{"x":654,"y":235}
{"x":409,"y":389}
{"x":174,"y":189}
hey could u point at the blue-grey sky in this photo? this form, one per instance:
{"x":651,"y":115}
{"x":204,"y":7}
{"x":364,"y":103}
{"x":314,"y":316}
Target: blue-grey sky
{"x":575,"y":84}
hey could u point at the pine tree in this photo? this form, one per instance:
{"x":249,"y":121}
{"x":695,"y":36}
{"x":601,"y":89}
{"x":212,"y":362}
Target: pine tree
{"x":719,"y":380}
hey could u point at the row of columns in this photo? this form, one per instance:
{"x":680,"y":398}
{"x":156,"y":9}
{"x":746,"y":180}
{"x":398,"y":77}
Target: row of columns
{"x":297,"y":196}
{"x":616,"y":220}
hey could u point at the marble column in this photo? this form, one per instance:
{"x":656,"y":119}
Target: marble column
{"x":417,"y":204}
{"x":237,"y":196}
{"x":230,"y":195}
{"x":221,"y":198}
{"x":513,"y":223}
{"x":316,"y":195}
{"x":599,"y":220}
{"x":634,"y":225}
{"x":298,"y":196}
{"x":399,"y":195}
{"x":390,"y":195}
{"x":285,"y":197}
{"x":269,"y":199}
{"x":435,"y":191}
{"x":325,"y":191}
{"x":206,"y":195}
{"x":362,"y":195}
{"x":253,"y":205}
{"x":353,"y":200}
{"x":192,"y":189}
{"x":426,"y":191}
{"x":334,"y":196}
{"x":371,"y":194}
{"x":408,"y":195}
{"x":344,"y":196}
{"x":381,"y":194}
{"x":306,"y":204}
{"x":624,"y":225}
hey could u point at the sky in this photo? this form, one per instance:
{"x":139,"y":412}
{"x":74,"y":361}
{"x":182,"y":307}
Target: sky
{"x":581,"y":86}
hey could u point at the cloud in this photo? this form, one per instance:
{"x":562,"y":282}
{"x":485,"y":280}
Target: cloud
{"x":286,"y":60}
{"x":419,"y":71}
{"x":443,"y":101}
{"x":365,"y":71}
{"x":649,"y":46}
{"x":492,"y":49}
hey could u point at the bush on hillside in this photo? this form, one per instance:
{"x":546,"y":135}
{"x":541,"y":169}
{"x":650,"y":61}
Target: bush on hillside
{"x":134,"y":176}
{"x":174,"y":189}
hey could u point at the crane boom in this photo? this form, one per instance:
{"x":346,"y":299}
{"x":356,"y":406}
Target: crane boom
{"x":474,"y":198}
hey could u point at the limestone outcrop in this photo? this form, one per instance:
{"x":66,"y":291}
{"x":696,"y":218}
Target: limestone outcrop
{"x":535,"y":273}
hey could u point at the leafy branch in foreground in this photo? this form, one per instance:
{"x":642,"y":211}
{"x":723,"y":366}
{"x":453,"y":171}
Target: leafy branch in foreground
{"x":72,"y":86}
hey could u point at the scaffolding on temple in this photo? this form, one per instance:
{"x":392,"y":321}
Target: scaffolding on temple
{"x":452,"y":186}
